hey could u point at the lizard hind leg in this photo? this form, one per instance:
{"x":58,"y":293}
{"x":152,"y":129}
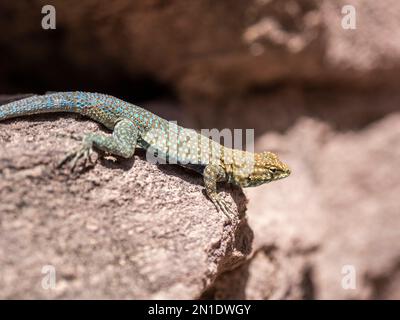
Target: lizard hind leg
{"x":121,"y":143}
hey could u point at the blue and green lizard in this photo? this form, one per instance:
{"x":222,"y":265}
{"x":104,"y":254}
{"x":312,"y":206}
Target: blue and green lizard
{"x":134,"y":127}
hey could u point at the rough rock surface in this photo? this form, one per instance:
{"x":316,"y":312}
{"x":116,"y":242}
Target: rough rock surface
{"x":339,"y":208}
{"x":125,"y":229}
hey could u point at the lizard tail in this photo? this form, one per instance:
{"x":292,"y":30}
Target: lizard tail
{"x":55,"y":102}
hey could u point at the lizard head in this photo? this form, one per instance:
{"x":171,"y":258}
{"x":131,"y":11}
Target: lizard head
{"x":262,"y":168}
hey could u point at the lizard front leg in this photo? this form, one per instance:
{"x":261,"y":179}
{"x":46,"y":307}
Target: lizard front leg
{"x":214,"y":173}
{"x":121,"y":143}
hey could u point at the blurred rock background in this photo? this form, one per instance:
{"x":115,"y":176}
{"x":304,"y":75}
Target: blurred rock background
{"x":324,"y":98}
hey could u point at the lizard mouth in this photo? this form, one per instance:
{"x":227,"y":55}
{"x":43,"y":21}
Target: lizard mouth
{"x":283,"y":175}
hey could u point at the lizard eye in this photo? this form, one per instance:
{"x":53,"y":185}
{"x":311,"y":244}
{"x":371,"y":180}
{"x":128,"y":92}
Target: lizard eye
{"x":272,"y":169}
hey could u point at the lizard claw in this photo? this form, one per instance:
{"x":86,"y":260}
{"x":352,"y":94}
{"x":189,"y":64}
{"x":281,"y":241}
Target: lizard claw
{"x":223,"y":206}
{"x":84,"y":152}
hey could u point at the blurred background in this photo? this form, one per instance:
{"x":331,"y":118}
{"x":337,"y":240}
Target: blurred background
{"x":323,"y":96}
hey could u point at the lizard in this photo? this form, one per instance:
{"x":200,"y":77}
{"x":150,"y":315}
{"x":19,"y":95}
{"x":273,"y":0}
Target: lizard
{"x":134,"y":127}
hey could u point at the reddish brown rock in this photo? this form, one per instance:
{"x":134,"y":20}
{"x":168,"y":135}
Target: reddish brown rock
{"x":125,"y":229}
{"x":206,"y":52}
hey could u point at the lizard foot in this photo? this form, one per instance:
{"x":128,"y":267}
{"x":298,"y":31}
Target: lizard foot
{"x":84,"y":152}
{"x":223,"y":206}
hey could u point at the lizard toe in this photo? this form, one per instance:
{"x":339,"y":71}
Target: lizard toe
{"x":223,"y":206}
{"x":84,"y":152}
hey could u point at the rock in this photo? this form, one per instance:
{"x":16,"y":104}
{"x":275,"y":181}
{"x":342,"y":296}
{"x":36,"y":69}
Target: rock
{"x":121,"y":229}
{"x":336,"y":217}
{"x":206,"y":53}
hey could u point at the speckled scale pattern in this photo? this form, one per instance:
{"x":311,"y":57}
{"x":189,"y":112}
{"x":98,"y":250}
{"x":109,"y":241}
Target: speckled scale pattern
{"x":170,"y":141}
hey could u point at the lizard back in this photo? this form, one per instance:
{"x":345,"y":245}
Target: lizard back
{"x":165,"y":139}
